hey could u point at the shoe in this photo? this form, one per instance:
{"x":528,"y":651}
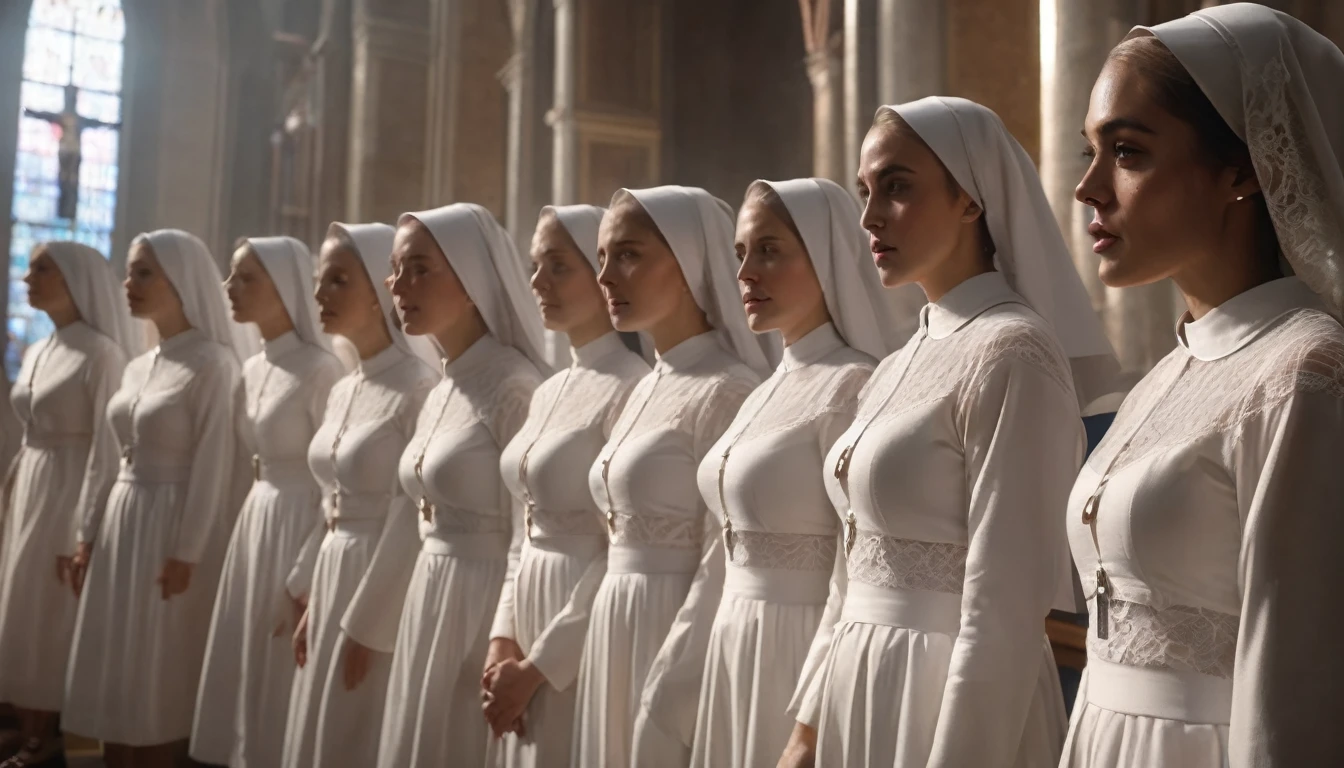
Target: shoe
{"x":37,"y":753}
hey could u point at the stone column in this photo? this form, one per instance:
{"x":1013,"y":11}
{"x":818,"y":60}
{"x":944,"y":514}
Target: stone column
{"x":860,"y":63}
{"x":13,"y":28}
{"x":524,"y":78}
{"x":1075,"y":40}
{"x":824,"y":71}
{"x":561,"y":117}
{"x":911,"y":50}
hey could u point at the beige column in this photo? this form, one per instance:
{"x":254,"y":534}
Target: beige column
{"x":860,"y":71}
{"x":824,"y":70}
{"x":1075,"y":40}
{"x":561,"y":118}
{"x":525,"y":79}
{"x":911,"y":50}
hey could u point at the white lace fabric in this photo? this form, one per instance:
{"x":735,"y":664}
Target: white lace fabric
{"x":782,"y":551}
{"x":1179,"y":637}
{"x":892,"y":563}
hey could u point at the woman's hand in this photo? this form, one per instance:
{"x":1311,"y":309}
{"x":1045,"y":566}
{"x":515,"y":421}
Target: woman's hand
{"x":356,"y":665}
{"x":513,"y":685}
{"x":79,"y":567}
{"x":174,"y":578}
{"x":801,"y":751}
{"x":301,"y":641}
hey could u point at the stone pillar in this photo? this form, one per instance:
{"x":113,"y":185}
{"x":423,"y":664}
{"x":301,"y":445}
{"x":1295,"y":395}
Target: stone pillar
{"x":525,"y":78}
{"x":561,"y":117}
{"x":911,"y":50}
{"x":824,"y":71}
{"x":860,"y":63}
{"x":13,"y":28}
{"x":1075,"y":40}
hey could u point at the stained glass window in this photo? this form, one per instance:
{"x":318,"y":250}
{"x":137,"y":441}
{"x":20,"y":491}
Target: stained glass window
{"x":73,"y":51}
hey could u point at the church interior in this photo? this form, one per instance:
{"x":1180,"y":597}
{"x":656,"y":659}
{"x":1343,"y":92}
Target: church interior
{"x":232,"y":118}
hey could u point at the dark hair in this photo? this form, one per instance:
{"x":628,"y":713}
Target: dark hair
{"x":639,"y":212}
{"x":1171,"y":86}
{"x":761,"y":192}
{"x":888,"y":118}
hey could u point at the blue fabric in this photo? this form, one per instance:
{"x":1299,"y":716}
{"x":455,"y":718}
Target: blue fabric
{"x":1096,"y":427}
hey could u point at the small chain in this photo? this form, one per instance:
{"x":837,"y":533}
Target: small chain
{"x":32,"y":382}
{"x":336,"y":443}
{"x":425,"y":507}
{"x":606,"y":463}
{"x":128,"y":453}
{"x":723,"y":464}
{"x":256,"y":414}
{"x":528,"y":502}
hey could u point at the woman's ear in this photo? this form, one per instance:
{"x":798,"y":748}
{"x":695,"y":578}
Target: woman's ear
{"x":972,"y":212}
{"x":1245,"y":183}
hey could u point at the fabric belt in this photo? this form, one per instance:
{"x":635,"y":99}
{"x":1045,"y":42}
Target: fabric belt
{"x":52,"y":441}
{"x":468,"y":546}
{"x":1167,"y":694}
{"x":283,"y":473}
{"x":357,"y":506}
{"x":627,"y":558}
{"x":144,"y":473}
{"x":777,"y":585}
{"x":917,"y":609}
{"x":581,"y":547}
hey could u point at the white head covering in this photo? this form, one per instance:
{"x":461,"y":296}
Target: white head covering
{"x":699,"y":227}
{"x":1276,"y":82}
{"x":290,"y":266}
{"x":195,"y":276}
{"x":93,"y":286}
{"x":373,"y":243}
{"x":482,"y":255}
{"x":989,"y":164}
{"x":869,"y":318}
{"x":582,"y":223}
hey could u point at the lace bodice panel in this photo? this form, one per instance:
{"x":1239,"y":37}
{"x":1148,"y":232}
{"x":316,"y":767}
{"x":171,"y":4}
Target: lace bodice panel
{"x":478,"y":407}
{"x":569,"y":421}
{"x":1175,"y":542}
{"x":285,"y":391}
{"x":378,"y":404}
{"x":644,"y":478}
{"x":772,"y":481}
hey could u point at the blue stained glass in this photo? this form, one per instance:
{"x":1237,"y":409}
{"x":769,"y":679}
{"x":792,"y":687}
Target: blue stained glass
{"x":75,"y":42}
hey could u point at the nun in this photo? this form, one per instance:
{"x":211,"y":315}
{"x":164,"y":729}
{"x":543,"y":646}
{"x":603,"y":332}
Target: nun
{"x":949,"y":484}
{"x":249,"y":665}
{"x":558,"y":555}
{"x":1206,"y":526}
{"x":333,"y":719}
{"x":148,"y":562}
{"x":667,"y":271}
{"x":64,"y":471}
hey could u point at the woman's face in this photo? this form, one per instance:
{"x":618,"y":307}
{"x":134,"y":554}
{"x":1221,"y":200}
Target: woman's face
{"x":253,"y":297}
{"x":149,"y":293}
{"x":429,"y":297}
{"x":345,"y":296}
{"x":1159,"y":204}
{"x":914,"y":217}
{"x":640,"y":276}
{"x":47,"y":290}
{"x":779,"y":286}
{"x":563,"y":281}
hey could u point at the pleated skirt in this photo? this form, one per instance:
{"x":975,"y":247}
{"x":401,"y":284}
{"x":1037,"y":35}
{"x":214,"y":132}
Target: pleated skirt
{"x":883,"y":690}
{"x":136,"y":658}
{"x":328,"y":726}
{"x":37,"y":611}
{"x":545,"y":582}
{"x":433,"y":714}
{"x":756,"y":653}
{"x":631,"y":616}
{"x":249,"y":659}
{"x":1104,"y":738}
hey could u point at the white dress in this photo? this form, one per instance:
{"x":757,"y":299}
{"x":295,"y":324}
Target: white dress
{"x":644,"y":483}
{"x":370,"y":417}
{"x":763,"y":481}
{"x":249,"y":660}
{"x":62,"y":474}
{"x":431,"y":591}
{"x":558,"y":555}
{"x":136,"y":658}
{"x":1219,"y":527}
{"x":932,"y":650}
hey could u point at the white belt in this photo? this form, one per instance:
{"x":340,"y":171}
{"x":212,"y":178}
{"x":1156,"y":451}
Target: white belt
{"x":1166,"y":694}
{"x":777,"y":586}
{"x":286,"y":473}
{"x":916,"y":609}
{"x":580,"y":547}
{"x":48,"y":441}
{"x":468,"y":546}
{"x":627,"y":558}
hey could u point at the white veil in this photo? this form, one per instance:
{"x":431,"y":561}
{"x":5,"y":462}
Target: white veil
{"x":195,"y":276}
{"x":290,"y":266}
{"x":700,"y":230}
{"x":1276,"y":82}
{"x":482,"y":255}
{"x":987,"y":162}
{"x":869,"y":317}
{"x":94,"y":288}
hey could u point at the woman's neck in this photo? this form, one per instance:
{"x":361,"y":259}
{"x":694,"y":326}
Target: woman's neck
{"x":456,"y":339}
{"x":686,"y":322}
{"x":1230,"y":272}
{"x":168,"y":327}
{"x":370,"y":340}
{"x":970,"y":257}
{"x":276,"y":326}
{"x":589,"y":331}
{"x":64,"y":317}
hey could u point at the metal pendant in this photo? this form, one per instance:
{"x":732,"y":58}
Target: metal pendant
{"x":851,"y":532}
{"x":426,"y":509}
{"x":1103,"y":605}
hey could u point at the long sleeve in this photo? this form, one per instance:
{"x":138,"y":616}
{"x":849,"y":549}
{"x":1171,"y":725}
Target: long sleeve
{"x":559,"y":648}
{"x":1285,"y":700}
{"x":672,"y":689}
{"x":505,"y":624}
{"x":300,"y":576}
{"x":1023,"y":443}
{"x":513,"y":400}
{"x":209,"y":483}
{"x":375,"y":610}
{"x":102,"y":378}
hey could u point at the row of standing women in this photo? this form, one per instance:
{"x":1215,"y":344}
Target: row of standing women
{"x":839,"y":552}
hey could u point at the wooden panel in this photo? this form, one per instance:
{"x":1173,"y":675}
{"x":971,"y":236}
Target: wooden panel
{"x":1068,"y":641}
{"x":398,"y":141}
{"x":610,"y":162}
{"x":993,"y":57}
{"x":619,"y":56}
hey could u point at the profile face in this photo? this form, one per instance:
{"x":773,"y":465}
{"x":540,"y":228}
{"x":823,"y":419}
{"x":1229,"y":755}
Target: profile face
{"x":775,"y":276}
{"x":346,"y":298}
{"x":253,"y":297}
{"x":640,"y":277}
{"x":47,"y":289}
{"x":1158,"y":202}
{"x":913,"y":215}
{"x":427,"y":292}
{"x":149,"y":292}
{"x":563,"y":281}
